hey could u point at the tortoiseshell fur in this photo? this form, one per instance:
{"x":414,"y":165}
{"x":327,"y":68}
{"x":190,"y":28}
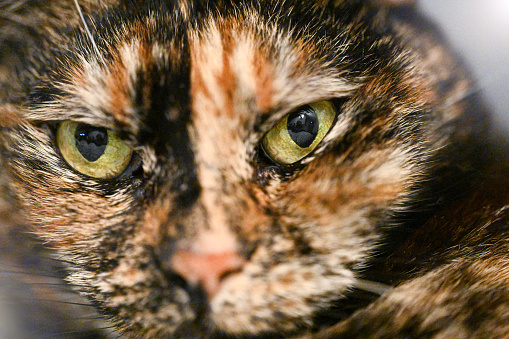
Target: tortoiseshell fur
{"x":406,"y":196}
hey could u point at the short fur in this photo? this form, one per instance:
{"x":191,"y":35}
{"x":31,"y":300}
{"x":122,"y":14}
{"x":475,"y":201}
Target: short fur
{"x":405,"y":197}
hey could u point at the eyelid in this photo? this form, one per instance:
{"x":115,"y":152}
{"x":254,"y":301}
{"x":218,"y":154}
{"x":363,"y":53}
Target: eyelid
{"x":58,"y":113}
{"x":269,"y":120}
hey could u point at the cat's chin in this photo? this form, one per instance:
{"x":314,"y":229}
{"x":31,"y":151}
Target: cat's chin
{"x":247,"y":303}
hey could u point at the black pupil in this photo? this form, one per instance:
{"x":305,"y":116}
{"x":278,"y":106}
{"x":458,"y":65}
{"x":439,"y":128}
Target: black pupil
{"x":303,"y":126}
{"x":91,"y":141}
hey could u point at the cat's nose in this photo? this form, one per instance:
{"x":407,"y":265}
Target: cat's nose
{"x":207,"y":269}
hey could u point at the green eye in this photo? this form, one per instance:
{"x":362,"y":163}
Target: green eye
{"x":299,"y":132}
{"x":93,"y":151}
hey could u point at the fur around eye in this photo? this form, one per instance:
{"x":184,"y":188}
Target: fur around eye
{"x":93,"y":151}
{"x":299,"y":132}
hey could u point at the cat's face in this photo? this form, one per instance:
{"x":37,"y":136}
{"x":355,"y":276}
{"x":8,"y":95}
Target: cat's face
{"x":221,"y":167}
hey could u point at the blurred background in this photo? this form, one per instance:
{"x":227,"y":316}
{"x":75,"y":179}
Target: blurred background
{"x":479,"y":30}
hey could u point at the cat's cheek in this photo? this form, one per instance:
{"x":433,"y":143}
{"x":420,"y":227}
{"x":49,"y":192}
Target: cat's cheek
{"x":136,"y":293}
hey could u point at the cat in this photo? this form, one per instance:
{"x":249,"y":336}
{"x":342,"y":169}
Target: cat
{"x":210,"y":169}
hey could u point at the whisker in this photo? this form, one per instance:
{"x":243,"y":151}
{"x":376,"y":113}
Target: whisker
{"x":94,"y":45}
{"x":59,"y":334}
{"x":462,"y":96}
{"x":61,"y":284}
{"x":371,"y":286}
{"x":477,"y":87}
{"x":64,"y":302}
{"x":120,"y":335}
{"x":60,"y":260}
{"x":43,"y":329}
{"x":32,"y":274}
{"x":94,"y":317}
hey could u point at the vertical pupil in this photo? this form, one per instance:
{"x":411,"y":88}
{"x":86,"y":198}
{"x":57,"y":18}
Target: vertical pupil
{"x":303,"y":126}
{"x":91,"y":141}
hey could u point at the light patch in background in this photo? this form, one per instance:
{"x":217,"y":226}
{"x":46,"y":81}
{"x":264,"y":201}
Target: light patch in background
{"x":479,"y":30}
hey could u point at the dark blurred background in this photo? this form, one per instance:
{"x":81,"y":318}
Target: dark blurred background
{"x":479,"y":30}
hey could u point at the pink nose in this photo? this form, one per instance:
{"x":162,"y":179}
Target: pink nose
{"x":206,"y":269}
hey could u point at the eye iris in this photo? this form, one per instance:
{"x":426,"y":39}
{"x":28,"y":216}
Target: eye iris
{"x":299,"y":133}
{"x":303,"y":126}
{"x":91,"y":141}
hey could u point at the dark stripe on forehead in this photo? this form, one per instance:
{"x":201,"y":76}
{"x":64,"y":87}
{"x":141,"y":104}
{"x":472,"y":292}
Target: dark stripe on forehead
{"x":162,"y":104}
{"x":161,"y":83}
{"x":145,"y":79}
{"x":146,"y":21}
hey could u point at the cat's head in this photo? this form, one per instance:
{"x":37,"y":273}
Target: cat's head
{"x":223,"y":166}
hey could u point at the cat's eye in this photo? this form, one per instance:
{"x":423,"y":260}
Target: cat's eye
{"x":299,"y":132}
{"x":94,"y":151}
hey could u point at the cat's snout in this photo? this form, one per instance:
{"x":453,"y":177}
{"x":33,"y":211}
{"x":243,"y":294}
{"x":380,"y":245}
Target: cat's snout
{"x":207,"y":269}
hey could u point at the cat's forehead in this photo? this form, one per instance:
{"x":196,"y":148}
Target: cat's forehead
{"x":235,"y":66}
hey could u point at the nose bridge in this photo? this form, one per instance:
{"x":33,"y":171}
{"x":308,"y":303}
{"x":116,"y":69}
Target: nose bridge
{"x":218,"y":137}
{"x":213,"y":252}
{"x":220,"y":169}
{"x":214,"y":232}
